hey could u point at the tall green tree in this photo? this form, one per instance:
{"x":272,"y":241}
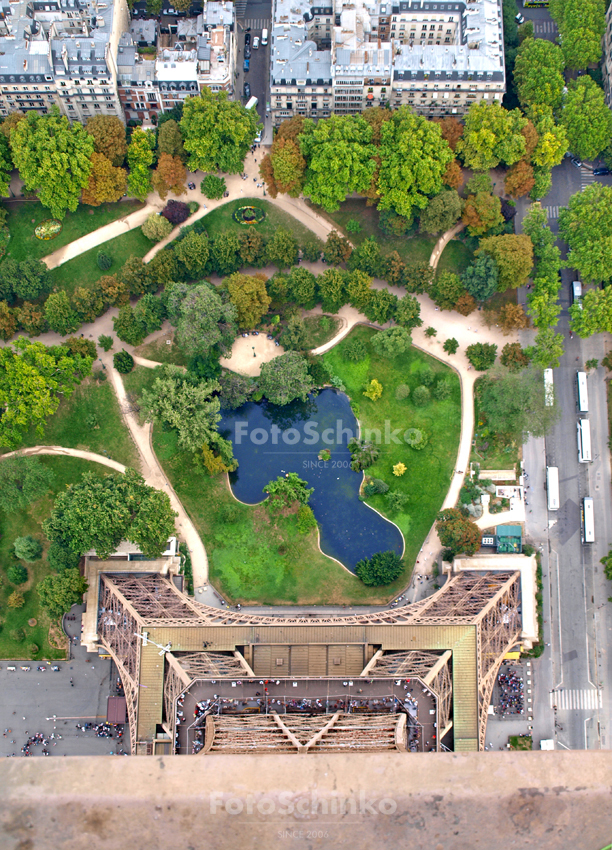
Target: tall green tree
{"x":538,"y":73}
{"x":282,"y":248}
{"x":140,"y":157}
{"x":249,"y":296}
{"x":6,"y":165}
{"x":594,"y":315}
{"x":332,"y":288}
{"x":170,"y":139}
{"x":108,"y":133}
{"x":547,"y":349}
{"x":203,"y":320}
{"x":59,"y":314}
{"x":58,"y":593}
{"x":413,"y":161}
{"x":441,"y":213}
{"x":586,"y":225}
{"x":408,"y":313}
{"x":53,"y":158}
{"x":217,"y":132}
{"x":514,"y":402}
{"x":457,"y":533}
{"x":285,"y":378}
{"x":340,"y":159}
{"x":193,"y":252}
{"x":586,"y":117}
{"x":581,"y":27}
{"x":492,"y":136}
{"x":285,"y":490}
{"x":23,"y":480}
{"x":513,"y":256}
{"x":481,"y":278}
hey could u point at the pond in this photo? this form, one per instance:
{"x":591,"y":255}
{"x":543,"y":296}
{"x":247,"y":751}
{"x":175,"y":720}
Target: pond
{"x":270,"y":441}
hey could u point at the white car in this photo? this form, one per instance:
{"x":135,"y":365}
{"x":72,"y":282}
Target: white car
{"x":256,"y":42}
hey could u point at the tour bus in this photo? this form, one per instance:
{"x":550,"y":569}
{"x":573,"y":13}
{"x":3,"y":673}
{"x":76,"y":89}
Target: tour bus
{"x":577,"y":293}
{"x":549,"y":391}
{"x":587,"y":521}
{"x":552,"y":487}
{"x":584,"y":441}
{"x":583,"y":396}
{"x":252,"y":103}
{"x":527,"y":4}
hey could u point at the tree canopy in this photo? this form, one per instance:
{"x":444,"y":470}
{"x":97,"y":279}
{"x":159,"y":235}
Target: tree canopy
{"x":441,"y":213}
{"x":594,"y":315}
{"x":457,"y":533}
{"x":202,"y":318}
{"x":586,"y":225}
{"x":586,"y":117}
{"x":581,"y":26}
{"x":23,"y":480}
{"x":99,"y":512}
{"x":285,"y":490}
{"x":58,"y":593}
{"x":140,"y":157}
{"x":381,"y":568}
{"x":249,"y":296}
{"x":538,"y":73}
{"x":108,"y":133}
{"x":514,"y":402}
{"x":285,"y":378}
{"x":217,"y":132}
{"x":492,"y":135}
{"x":513,"y":256}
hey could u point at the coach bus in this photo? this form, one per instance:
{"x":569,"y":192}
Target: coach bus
{"x":583,"y":396}
{"x":549,"y":389}
{"x":587,"y":521}
{"x":531,"y":4}
{"x":584,"y":441}
{"x":552,"y":487}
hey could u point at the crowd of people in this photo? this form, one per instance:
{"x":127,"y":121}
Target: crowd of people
{"x":511,"y":693}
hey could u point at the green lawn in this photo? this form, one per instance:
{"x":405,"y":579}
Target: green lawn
{"x":491,"y":450}
{"x":18,"y":524}
{"x":456,"y":257}
{"x":83,"y":270}
{"x":429,"y":471}
{"x":220,"y":220}
{"x":253,"y":559}
{"x":319,"y":330}
{"x":23,"y":216}
{"x":140,"y":377}
{"x":91,"y":420}
{"x":162,"y":353}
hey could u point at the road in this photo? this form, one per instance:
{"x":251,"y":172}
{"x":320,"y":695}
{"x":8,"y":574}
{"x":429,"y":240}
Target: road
{"x":257,"y":16}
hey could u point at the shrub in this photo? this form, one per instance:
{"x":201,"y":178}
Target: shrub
{"x":363,"y":454}
{"x":375,"y":487}
{"x":18,"y":635}
{"x":156,"y":227}
{"x":305,"y":519}
{"x":33,"y":649}
{"x":104,"y":261}
{"x":354,"y":350}
{"x":374,"y":390}
{"x":127,"y":326}
{"x":417,"y":439}
{"x":426,"y":375}
{"x":311,"y":252}
{"x":421,"y":396}
{"x":431,"y":332}
{"x":353,"y":226}
{"x":451,"y":345}
{"x":105,"y":342}
{"x":442,"y":389}
{"x":402,"y":392}
{"x":381,"y":568}
{"x":396,"y":501}
{"x":399,"y":469}
{"x":176,"y":212}
{"x":123,"y":362}
{"x":27,"y":548}
{"x":17,"y":574}
{"x":213,"y":187}
{"x":15,"y":600}
{"x":481,"y":355}
{"x":193,"y":207}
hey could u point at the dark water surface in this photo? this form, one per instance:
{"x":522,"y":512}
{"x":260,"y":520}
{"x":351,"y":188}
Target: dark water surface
{"x":270,"y":441}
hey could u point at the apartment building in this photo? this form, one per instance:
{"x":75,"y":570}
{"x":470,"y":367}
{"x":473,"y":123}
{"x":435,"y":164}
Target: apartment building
{"x":437,"y":57}
{"x":606,"y":63}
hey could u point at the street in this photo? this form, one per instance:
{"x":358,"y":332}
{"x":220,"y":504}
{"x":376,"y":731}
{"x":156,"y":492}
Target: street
{"x":257,"y":17}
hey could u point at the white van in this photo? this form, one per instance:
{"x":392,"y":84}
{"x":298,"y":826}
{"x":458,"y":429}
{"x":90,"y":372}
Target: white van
{"x":264,"y":37}
{"x":256,"y":42}
{"x":252,"y":103}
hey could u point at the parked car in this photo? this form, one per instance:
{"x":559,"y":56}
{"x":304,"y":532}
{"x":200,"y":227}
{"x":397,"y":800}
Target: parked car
{"x":247,"y":38}
{"x":256,"y":43}
{"x":246,"y":65}
{"x":576,"y":161}
{"x":247,"y":51}
{"x":246,"y":91}
{"x":519,"y":18}
{"x":601,"y":172}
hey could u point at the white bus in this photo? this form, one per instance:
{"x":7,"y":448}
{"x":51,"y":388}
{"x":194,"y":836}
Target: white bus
{"x":552,"y":487}
{"x":252,"y":103}
{"x":549,"y":390}
{"x":587,"y":521}
{"x":583,"y":396}
{"x":584,"y":441}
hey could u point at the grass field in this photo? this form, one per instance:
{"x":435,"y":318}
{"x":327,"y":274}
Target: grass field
{"x":18,"y":524}
{"x":491,"y":450}
{"x":83,"y":270}
{"x":220,"y":220}
{"x":320,"y":329}
{"x":429,"y":470}
{"x":162,"y":353}
{"x":23,"y":216}
{"x":91,"y":420}
{"x":253,"y":559}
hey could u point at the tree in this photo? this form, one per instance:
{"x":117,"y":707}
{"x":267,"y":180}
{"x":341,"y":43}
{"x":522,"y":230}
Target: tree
{"x":176,"y":212}
{"x":170,"y":139}
{"x":32,"y":319}
{"x":140,"y":157}
{"x":451,"y":345}
{"x":108,"y":133}
{"x":586,"y":117}
{"x":252,"y":249}
{"x":514,"y":402}
{"x":104,"y":261}
{"x":18,"y":574}
{"x":106,"y":183}
{"x":156,"y":227}
{"x":481,"y":355}
{"x":418,"y":277}
{"x":457,"y":533}
{"x":513,"y":255}
{"x":282,"y":249}
{"x":481,"y":278}
{"x":581,"y":27}
{"x":453,"y":175}
{"x":414,"y":157}
{"x":441,"y":213}
{"x":364,"y":453}
{"x":169,"y":176}
{"x":514,"y":357}
{"x":332,"y":288}
{"x":354,"y":349}
{"x":337,"y":249}
{"x":381,"y":568}
{"x":113,"y":291}
{"x":53,"y":158}
{"x":217,"y":132}
{"x":381,"y":307}
{"x":203,"y":320}
{"x":285,"y":491}
{"x":32,"y":278}
{"x":127,"y":327}
{"x":519,"y":179}
{"x":193,"y":252}
{"x":396,"y":501}
{"x":288,"y":167}
{"x":294,"y":335}
{"x":482,"y":212}
{"x":451,"y":129}
{"x":302,"y":287}
{"x":87,"y":303}
{"x":492,"y":135}
{"x":59,"y":314}
{"x":6,"y":166}
{"x":123,"y":362}
{"x":367,"y":257}
{"x":408,"y":312}
{"x":392,"y":342}
{"x":359,"y":289}
{"x":249,"y":296}
{"x":586,"y":225}
{"x":23,"y":480}
{"x":285,"y":378}
{"x":593,"y":314}
{"x":58,"y":593}
{"x":27,"y":549}
{"x":446,"y":290}
{"x":421,"y":396}
{"x":225,"y":253}
{"x":512,"y":317}
{"x":547,"y":350}
{"x":15,"y":600}
{"x":538,"y":73}
{"x":8,"y":321}
{"x":213,"y":186}
{"x":235,"y":390}
{"x":340,"y":159}
{"x":98,"y":512}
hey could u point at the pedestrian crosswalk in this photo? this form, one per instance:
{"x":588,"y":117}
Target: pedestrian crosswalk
{"x":588,"y":698}
{"x":552,"y":211}
{"x":545,"y":28}
{"x":586,"y":177}
{"x":256,"y":24}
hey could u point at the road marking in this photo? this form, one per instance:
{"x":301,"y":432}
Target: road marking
{"x":257,"y":23}
{"x":545,"y":26}
{"x":553,"y":211}
{"x":586,"y":699}
{"x":586,"y":178}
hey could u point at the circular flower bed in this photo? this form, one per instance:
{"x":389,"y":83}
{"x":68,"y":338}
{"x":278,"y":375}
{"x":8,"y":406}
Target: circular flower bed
{"x":48,"y":229}
{"x":249,"y":215}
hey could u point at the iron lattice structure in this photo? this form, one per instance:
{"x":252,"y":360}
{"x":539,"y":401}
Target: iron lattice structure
{"x":486,"y":604}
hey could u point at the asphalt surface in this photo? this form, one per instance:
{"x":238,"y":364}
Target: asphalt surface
{"x":257,"y":16}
